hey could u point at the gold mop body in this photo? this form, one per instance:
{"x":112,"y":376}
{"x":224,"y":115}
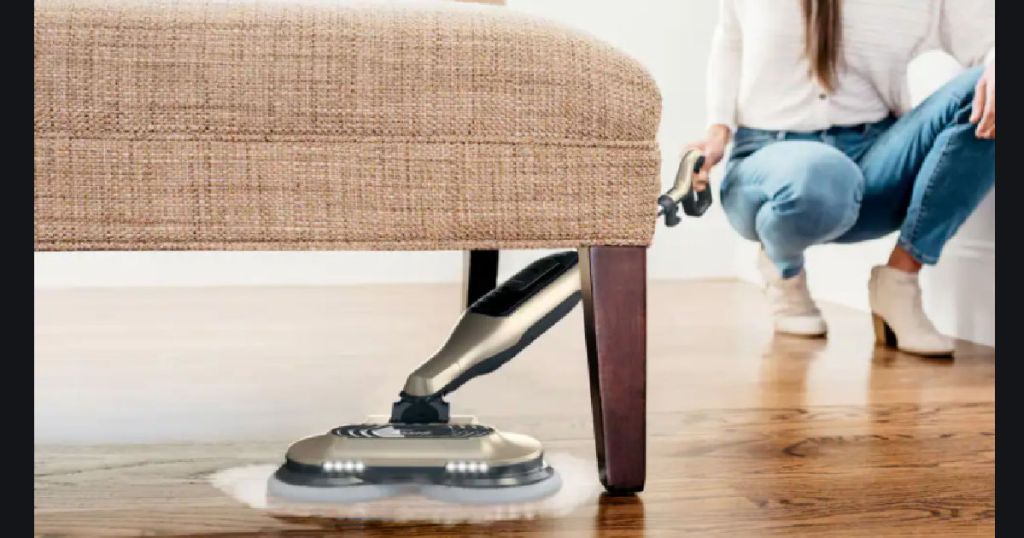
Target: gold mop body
{"x":420,"y":447}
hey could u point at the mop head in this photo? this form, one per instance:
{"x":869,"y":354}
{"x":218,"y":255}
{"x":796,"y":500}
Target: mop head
{"x":459,"y":462}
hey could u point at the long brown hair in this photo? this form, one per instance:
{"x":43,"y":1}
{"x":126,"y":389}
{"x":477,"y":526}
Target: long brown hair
{"x":823,"y":37}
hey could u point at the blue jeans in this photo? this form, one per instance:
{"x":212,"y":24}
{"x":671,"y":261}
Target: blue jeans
{"x":922,"y":174}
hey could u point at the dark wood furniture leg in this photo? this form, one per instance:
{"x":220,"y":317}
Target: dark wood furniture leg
{"x":614,"y":285}
{"x":479,"y":274}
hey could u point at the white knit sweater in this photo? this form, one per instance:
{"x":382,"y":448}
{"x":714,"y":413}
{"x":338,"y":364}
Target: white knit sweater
{"x":759,"y":77}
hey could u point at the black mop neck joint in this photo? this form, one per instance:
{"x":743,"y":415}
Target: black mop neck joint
{"x":419,"y":409}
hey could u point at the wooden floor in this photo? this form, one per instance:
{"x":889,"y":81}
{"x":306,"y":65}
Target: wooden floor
{"x":141,"y":394}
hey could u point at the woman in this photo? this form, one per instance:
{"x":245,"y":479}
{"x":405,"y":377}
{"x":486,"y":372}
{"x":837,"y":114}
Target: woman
{"x":813,"y":94}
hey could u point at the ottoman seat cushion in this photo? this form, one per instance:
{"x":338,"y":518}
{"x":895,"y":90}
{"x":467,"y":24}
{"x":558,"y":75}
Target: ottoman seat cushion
{"x":213,"y":125}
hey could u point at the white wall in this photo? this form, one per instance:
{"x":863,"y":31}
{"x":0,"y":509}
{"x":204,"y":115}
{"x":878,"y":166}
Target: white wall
{"x":671,"y":38}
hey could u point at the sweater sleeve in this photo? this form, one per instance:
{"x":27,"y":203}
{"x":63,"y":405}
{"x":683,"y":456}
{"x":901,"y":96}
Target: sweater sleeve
{"x":967,"y":30}
{"x":724,"y":67}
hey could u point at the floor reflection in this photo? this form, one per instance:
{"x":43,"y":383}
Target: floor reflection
{"x":784,"y":367}
{"x":847,"y":415}
{"x":616,"y":514}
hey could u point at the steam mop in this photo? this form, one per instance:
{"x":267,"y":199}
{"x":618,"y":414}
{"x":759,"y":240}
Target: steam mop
{"x":423,"y":449}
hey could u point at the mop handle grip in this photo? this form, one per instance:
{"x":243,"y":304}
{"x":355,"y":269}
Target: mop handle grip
{"x":682,"y":194}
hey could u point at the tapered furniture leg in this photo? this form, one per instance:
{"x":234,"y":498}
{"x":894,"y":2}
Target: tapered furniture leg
{"x":479,"y":274}
{"x":614,"y":286}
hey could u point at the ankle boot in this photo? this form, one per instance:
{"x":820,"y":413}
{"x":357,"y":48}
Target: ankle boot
{"x":793,"y":309}
{"x":899,"y":318}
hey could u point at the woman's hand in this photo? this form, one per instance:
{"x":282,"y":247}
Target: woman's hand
{"x":983,"y":110}
{"x":713,"y":147}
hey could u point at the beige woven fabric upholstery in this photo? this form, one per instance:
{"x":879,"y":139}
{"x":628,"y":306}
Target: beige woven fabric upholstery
{"x":289,"y":126}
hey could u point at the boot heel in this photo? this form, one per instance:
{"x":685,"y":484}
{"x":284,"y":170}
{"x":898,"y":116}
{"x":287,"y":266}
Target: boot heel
{"x":883,"y":334}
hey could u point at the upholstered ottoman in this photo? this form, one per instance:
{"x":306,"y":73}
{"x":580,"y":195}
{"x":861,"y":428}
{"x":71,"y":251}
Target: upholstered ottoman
{"x":314,"y":126}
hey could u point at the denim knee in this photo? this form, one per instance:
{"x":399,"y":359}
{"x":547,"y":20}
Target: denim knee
{"x":958,"y":93}
{"x":741,"y":204}
{"x":821,"y":202}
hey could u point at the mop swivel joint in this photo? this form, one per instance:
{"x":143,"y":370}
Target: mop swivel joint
{"x":410,"y":409}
